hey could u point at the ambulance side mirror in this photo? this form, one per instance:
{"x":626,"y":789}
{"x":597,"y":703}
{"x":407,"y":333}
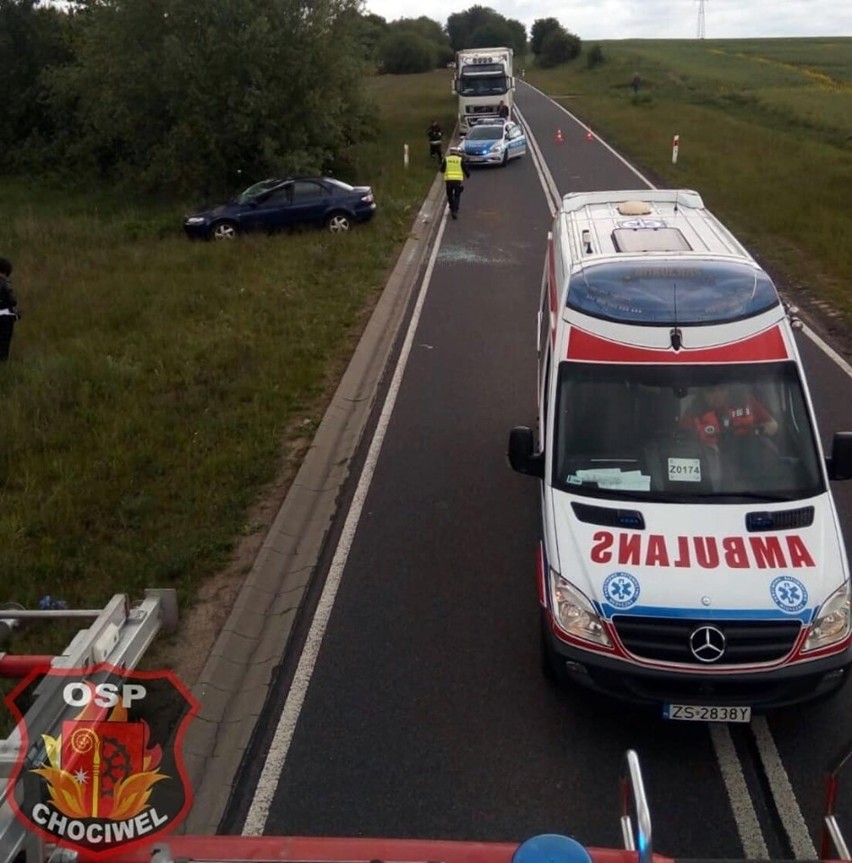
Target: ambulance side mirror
{"x":522,"y":455}
{"x":840,"y":463}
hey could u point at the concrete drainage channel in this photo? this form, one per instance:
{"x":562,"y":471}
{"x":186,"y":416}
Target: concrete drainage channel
{"x":233,"y":686}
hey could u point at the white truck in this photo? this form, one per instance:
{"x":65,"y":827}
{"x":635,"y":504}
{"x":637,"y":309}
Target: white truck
{"x":691,"y":554}
{"x":483,"y":79}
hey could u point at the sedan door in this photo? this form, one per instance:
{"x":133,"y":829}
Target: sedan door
{"x":311,"y":203}
{"x":269,"y":211}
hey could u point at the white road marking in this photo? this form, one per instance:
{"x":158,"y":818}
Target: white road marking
{"x":828,"y":350}
{"x":273,"y":766}
{"x":548,"y":184}
{"x":791,"y":816}
{"x":745,"y":816}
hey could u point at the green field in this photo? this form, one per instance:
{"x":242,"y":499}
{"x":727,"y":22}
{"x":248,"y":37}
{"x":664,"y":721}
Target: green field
{"x":159,"y":388}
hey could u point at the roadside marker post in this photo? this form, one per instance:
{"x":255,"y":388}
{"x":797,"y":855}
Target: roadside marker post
{"x":405,"y":155}
{"x":675,"y":148}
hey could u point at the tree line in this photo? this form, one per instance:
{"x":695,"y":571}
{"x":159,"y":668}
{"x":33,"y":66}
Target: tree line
{"x":198,"y":95}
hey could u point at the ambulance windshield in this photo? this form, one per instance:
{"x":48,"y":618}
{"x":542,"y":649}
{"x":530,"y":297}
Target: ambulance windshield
{"x":672,"y":292}
{"x":726,"y":432}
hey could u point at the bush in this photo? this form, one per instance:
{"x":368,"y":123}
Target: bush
{"x":595,"y":57}
{"x":558,"y":47}
{"x":407,"y":53}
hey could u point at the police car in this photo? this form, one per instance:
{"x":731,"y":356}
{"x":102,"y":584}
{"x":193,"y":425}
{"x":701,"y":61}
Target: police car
{"x":494,"y":142}
{"x":691,"y":556}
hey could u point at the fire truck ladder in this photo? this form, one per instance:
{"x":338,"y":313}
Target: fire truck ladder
{"x":119,"y":634}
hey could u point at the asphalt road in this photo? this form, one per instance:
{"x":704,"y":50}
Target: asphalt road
{"x":422,"y":711}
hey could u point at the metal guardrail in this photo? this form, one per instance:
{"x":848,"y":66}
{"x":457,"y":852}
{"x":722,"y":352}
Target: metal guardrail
{"x":119,"y":635}
{"x":634,"y":801}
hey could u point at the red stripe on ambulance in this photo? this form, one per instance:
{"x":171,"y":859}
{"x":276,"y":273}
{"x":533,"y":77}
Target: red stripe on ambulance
{"x":765,"y":346}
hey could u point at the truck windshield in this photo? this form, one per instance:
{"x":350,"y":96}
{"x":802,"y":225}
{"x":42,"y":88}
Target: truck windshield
{"x":479,"y":86}
{"x":684,"y":433}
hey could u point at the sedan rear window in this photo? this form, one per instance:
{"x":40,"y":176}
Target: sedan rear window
{"x":340,"y":184}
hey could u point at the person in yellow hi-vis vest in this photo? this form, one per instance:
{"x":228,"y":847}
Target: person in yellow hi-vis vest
{"x":455,"y":170}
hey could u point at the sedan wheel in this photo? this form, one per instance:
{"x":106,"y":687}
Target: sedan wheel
{"x":224,"y":231}
{"x":338,"y":223}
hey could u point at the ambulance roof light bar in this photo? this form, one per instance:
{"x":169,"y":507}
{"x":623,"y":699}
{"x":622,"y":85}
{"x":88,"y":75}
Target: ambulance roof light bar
{"x":119,"y":635}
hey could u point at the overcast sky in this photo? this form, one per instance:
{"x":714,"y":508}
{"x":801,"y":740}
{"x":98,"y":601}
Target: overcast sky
{"x":652,"y":19}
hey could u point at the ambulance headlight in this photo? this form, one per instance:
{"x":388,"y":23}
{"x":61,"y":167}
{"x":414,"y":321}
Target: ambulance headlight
{"x":574,"y":614}
{"x":832,"y":621}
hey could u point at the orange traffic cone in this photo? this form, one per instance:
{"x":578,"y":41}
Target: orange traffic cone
{"x":559,"y":138}
{"x":589,"y":135}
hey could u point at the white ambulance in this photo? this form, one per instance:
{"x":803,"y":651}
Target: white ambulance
{"x":691,"y":555}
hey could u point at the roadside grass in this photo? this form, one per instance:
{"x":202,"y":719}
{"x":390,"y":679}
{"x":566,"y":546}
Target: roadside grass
{"x":765,"y":132}
{"x":158,"y":387}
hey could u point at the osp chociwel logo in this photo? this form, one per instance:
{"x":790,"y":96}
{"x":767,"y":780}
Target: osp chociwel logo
{"x":113,"y":777}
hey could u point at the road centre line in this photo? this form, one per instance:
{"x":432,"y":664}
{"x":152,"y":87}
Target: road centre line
{"x":273,"y":766}
{"x":745,"y":815}
{"x":548,"y":184}
{"x":790,"y":814}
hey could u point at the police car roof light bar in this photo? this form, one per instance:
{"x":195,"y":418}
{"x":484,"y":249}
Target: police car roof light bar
{"x":119,"y":635}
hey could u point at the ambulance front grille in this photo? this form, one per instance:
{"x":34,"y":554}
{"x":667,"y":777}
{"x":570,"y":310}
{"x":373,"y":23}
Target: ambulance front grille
{"x":668,"y":639}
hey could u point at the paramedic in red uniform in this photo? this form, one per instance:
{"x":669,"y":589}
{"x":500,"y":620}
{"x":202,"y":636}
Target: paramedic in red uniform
{"x":718,"y":415}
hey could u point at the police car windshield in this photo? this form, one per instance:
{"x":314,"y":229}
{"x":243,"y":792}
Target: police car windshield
{"x":672,"y":292}
{"x":684,"y":433}
{"x":486,"y":132}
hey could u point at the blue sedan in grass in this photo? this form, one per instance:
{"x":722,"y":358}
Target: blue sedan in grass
{"x":278,"y":204}
{"x":494,"y":142}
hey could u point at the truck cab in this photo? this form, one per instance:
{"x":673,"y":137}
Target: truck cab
{"x":691,"y":556}
{"x":483,"y":79}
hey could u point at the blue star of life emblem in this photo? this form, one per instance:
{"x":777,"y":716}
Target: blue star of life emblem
{"x":788,"y":593}
{"x":621,"y":589}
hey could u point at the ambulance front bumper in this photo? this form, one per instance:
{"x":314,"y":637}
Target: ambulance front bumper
{"x":760,"y":690}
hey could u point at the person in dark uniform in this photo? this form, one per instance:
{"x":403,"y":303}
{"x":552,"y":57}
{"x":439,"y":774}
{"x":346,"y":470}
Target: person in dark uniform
{"x":9,"y":312}
{"x":436,"y":136}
